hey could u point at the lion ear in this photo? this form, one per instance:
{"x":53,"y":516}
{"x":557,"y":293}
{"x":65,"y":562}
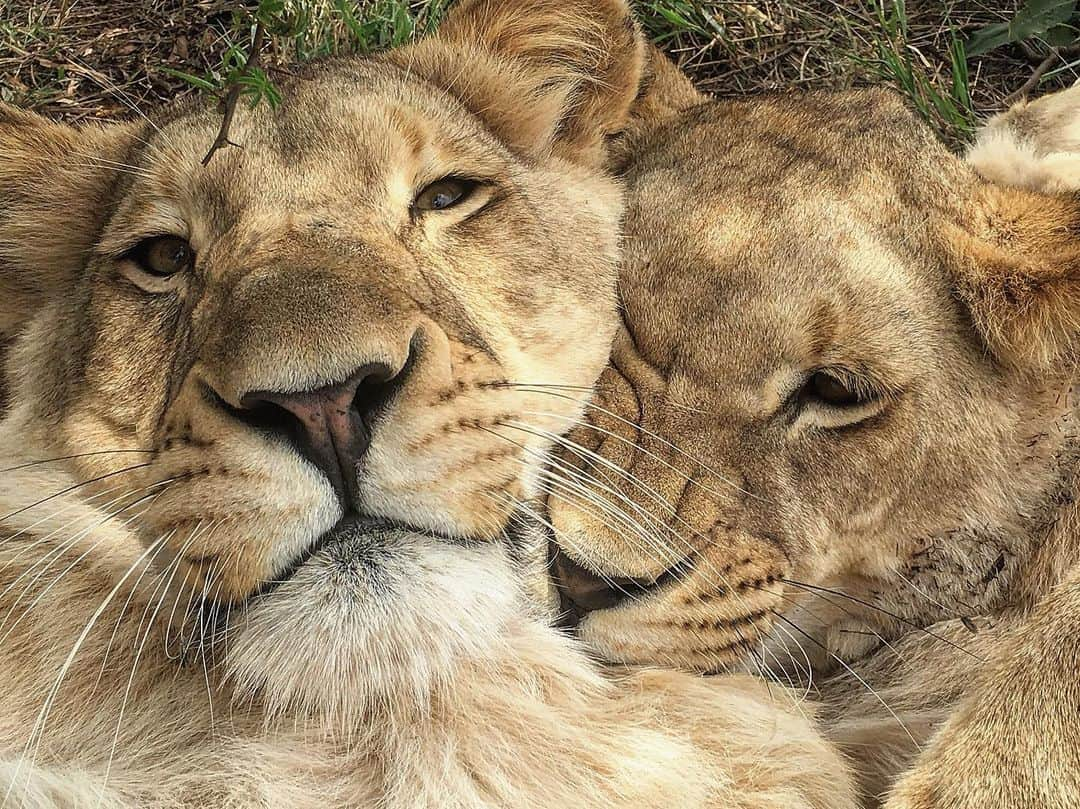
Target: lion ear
{"x":54,"y":182}
{"x":547,"y":76}
{"x":1017,"y":270}
{"x":1017,"y":265}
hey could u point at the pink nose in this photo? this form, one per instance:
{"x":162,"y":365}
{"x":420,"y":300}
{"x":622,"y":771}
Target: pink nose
{"x":331,"y":425}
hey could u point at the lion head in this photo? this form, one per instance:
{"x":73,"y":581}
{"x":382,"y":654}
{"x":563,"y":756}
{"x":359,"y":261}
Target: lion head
{"x":280,"y":383}
{"x":840,"y":401}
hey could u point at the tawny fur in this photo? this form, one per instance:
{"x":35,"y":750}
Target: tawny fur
{"x":501,"y":711}
{"x":768,"y":239}
{"x":172,"y":631}
{"x":1002,"y":715}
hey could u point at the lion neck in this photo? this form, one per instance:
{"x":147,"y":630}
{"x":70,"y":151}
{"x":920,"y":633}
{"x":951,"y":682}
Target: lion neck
{"x":1009,"y":557}
{"x":1000,"y":561}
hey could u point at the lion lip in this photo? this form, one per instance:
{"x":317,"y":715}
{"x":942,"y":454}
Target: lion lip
{"x":582,"y":591}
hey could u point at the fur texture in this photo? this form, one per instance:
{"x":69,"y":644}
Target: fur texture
{"x":841,"y":408}
{"x":191,"y":615}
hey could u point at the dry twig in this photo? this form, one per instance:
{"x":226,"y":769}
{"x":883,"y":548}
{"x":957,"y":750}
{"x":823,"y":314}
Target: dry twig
{"x":232,"y":97}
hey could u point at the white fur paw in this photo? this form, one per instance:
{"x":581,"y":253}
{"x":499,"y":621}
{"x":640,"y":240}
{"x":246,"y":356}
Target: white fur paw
{"x":1033,"y":145}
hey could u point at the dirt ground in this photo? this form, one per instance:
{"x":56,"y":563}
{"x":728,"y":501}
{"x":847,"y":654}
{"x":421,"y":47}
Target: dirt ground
{"x":96,"y":59}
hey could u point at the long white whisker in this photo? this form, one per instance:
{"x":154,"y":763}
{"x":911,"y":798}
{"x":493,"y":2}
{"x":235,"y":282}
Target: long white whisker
{"x":592,"y":405}
{"x":58,"y":553}
{"x":138,"y":657}
{"x":38,"y":731}
{"x":854,"y":674}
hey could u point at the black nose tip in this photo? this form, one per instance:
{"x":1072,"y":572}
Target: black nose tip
{"x":582,"y":591}
{"x":330,"y":425}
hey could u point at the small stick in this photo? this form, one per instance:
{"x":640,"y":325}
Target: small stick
{"x":1033,"y":79}
{"x":228,"y":104}
{"x":1043,"y":66}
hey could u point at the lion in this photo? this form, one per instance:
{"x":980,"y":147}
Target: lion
{"x":263,"y":541}
{"x":836,"y":442}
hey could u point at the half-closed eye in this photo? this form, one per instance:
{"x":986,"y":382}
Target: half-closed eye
{"x":836,"y":397}
{"x":445,"y":193}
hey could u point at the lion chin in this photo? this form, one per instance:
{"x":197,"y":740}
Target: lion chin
{"x":377,"y":620}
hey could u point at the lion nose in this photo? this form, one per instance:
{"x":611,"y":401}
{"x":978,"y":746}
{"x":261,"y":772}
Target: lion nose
{"x":331,"y":425}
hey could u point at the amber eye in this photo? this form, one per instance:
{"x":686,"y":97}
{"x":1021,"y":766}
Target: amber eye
{"x":831,"y":390}
{"x":443,"y":194}
{"x":163,"y":255}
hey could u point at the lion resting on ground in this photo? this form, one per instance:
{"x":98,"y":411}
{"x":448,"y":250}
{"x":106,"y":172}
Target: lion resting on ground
{"x":840,"y":410}
{"x":257,"y":546}
{"x":1010,"y":738}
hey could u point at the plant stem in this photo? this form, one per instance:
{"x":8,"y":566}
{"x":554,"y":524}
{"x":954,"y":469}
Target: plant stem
{"x":232,"y":97}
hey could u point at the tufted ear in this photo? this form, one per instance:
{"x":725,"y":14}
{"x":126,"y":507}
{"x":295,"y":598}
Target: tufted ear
{"x":547,"y":76}
{"x":1017,"y":270}
{"x":1018,"y":259}
{"x":54,"y":183}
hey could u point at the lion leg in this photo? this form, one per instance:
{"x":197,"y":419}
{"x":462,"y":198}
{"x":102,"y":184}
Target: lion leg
{"x":1013,"y":740}
{"x":765,"y":739}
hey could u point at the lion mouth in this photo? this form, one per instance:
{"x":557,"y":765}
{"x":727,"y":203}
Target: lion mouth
{"x":582,"y":591}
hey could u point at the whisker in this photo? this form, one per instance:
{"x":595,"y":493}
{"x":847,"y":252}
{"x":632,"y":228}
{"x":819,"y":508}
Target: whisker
{"x":138,"y":656}
{"x":29,"y":464}
{"x":560,"y":488}
{"x":38,"y":731}
{"x":658,"y":438}
{"x":927,"y":595}
{"x":809,"y":670}
{"x":174,"y":565}
{"x":62,"y":547}
{"x":582,"y":493}
{"x":654,"y":543}
{"x":575,"y":488}
{"x":582,"y":477}
{"x":88,"y":500}
{"x":522,"y":505}
{"x":600,"y":388}
{"x":883,"y":611}
{"x":72,"y":488}
{"x":92,"y":164}
{"x":692,"y":553}
{"x":75,"y":563}
{"x":638,"y":447}
{"x":708,"y":566}
{"x":853,"y":673}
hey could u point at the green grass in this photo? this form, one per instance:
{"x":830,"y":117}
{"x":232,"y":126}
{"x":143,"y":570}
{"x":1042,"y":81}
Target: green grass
{"x":946,"y":101}
{"x":667,"y":20}
{"x":955,"y":60}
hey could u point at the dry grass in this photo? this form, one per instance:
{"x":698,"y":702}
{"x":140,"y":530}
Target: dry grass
{"x":82,"y":59}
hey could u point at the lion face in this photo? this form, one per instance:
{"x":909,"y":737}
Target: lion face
{"x":327,"y":325}
{"x":839,"y":389}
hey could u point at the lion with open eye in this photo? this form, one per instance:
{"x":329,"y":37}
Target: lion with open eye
{"x":261,"y":542}
{"x":840,"y":409}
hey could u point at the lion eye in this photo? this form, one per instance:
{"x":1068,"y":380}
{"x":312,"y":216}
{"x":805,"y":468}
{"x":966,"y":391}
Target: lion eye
{"x":831,"y":390}
{"x":163,"y":255}
{"x":443,"y":194}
